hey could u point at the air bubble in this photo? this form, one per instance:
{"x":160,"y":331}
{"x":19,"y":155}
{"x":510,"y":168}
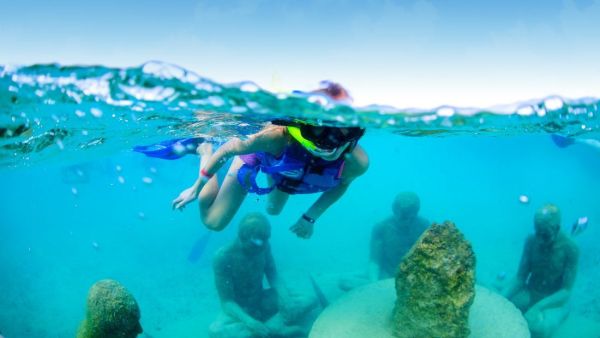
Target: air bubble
{"x":541,"y":112}
{"x":525,"y":111}
{"x":96,"y":112}
{"x":215,"y":101}
{"x":249,"y":87}
{"x":239,"y":109}
{"x":554,"y":103}
{"x":445,"y":111}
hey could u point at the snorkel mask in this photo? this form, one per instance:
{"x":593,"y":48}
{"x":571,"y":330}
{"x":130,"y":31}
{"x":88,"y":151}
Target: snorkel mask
{"x":328,"y":143}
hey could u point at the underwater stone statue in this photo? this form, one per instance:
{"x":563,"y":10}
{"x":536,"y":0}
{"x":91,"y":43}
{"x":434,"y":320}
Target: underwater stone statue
{"x":112,"y":312}
{"x":435,"y":285}
{"x":433,"y":295}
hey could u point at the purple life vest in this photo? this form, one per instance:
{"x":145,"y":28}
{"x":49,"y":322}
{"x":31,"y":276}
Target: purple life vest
{"x":296,"y":171}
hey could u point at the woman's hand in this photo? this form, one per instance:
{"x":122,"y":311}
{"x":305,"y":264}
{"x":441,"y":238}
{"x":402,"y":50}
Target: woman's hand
{"x":303,"y":228}
{"x":187,"y":196}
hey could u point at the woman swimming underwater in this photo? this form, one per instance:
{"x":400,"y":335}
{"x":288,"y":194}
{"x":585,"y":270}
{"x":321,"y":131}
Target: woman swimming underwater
{"x":297,"y":157}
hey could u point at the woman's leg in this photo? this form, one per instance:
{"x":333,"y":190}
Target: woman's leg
{"x":276,"y":201}
{"x":219,"y":205}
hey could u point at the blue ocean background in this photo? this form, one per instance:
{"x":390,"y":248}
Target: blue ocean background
{"x":72,"y":217}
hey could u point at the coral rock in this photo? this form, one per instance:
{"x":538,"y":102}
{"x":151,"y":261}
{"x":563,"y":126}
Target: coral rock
{"x":435,"y":285}
{"x":112,"y":312}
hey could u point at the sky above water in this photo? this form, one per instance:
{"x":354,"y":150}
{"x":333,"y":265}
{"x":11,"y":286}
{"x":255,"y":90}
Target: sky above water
{"x":403,"y":53}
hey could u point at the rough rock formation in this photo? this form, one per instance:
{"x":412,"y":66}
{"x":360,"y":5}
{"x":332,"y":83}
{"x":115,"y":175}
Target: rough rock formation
{"x":435,"y":285}
{"x":112,"y":312}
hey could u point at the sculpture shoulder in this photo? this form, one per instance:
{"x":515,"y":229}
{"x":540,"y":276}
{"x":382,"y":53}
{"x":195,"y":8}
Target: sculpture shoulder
{"x":569,"y":246}
{"x":223,"y":257}
{"x":384,"y":225}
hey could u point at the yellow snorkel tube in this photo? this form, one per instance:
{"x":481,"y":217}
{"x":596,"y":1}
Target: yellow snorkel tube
{"x":297,"y":135}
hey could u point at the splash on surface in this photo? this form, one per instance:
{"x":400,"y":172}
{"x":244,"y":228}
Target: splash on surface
{"x":47,"y":110}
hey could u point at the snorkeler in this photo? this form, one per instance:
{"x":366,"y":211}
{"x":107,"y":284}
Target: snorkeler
{"x":248,"y":308}
{"x":546,"y":274}
{"x":391,"y":239}
{"x":297,"y":157}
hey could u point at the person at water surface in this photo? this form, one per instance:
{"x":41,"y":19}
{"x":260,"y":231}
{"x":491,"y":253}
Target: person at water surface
{"x":298,"y":158}
{"x":248,"y":309}
{"x":546,"y":274}
{"x":391,"y":239}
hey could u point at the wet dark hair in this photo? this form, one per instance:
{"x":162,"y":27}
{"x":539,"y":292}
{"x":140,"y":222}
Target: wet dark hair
{"x":327,"y":137}
{"x":333,"y":90}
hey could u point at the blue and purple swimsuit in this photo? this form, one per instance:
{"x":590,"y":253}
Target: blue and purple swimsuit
{"x":295,"y":171}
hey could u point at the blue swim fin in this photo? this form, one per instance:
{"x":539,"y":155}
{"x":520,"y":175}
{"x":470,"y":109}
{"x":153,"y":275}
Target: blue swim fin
{"x":172,"y":149}
{"x":199,"y":247}
{"x":562,"y":141}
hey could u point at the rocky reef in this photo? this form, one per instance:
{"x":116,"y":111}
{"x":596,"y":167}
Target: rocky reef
{"x":112,"y":312}
{"x":435,"y":286}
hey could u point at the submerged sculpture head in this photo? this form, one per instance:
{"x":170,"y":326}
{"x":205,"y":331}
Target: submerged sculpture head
{"x":406,"y":206}
{"x":254,"y":232}
{"x":547,"y":223}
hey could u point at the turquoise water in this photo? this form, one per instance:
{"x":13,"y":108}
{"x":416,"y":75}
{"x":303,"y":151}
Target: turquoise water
{"x":78,"y":205}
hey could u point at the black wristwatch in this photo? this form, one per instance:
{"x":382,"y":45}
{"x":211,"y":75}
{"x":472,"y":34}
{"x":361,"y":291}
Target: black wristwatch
{"x":308,"y":219}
